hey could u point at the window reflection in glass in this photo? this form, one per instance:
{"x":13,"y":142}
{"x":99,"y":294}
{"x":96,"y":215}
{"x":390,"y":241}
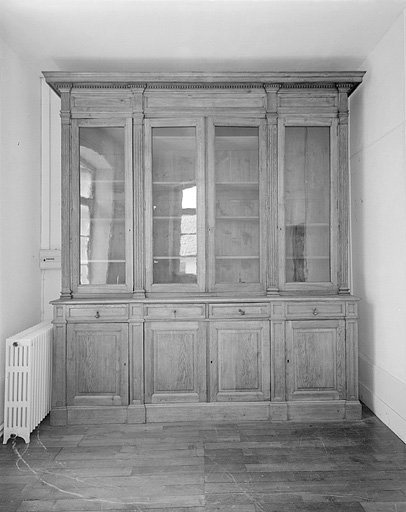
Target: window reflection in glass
{"x":174,"y":195}
{"x":102,"y":206}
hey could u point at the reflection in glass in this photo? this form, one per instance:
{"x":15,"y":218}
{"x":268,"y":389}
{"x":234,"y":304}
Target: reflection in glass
{"x":102,"y":206}
{"x":307,"y":204}
{"x":174,"y":196}
{"x":237,"y":239}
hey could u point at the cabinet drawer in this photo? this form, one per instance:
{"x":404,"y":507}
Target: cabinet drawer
{"x":315,"y":309}
{"x":238,"y":310}
{"x":93,"y":312}
{"x":174,"y":311}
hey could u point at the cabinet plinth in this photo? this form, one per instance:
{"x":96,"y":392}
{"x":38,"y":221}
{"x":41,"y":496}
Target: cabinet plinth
{"x":205,"y":262}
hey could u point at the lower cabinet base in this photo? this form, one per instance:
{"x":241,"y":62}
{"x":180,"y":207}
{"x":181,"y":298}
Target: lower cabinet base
{"x":309,"y":411}
{"x":324,"y":411}
{"x":241,"y":411}
{"x":97,"y":415}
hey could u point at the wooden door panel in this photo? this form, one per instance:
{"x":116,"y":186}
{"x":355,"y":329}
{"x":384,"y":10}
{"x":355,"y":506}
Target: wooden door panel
{"x":317,"y":353}
{"x":174,"y":351}
{"x":239,"y":361}
{"x":175,"y":362}
{"x":97,"y":364}
{"x":315,"y":359}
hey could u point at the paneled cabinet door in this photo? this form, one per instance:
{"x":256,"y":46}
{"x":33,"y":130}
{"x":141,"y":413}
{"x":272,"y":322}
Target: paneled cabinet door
{"x":239,"y":361}
{"x":175,"y":362}
{"x":315,"y":368}
{"x":97,"y":369}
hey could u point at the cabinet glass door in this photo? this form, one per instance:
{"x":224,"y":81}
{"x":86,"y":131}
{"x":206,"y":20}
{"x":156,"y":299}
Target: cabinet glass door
{"x":173,"y":177}
{"x":236,"y":192}
{"x":103,"y":223}
{"x":102,"y":206}
{"x":174,"y":196}
{"x":307,"y":186}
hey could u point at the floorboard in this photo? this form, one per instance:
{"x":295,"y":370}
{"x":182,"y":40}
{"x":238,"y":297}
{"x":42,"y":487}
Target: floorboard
{"x":251,"y":466}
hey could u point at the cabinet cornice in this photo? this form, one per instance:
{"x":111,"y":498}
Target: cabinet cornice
{"x":60,"y":79}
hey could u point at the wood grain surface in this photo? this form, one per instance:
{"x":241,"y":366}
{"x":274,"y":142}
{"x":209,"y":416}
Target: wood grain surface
{"x":249,"y":466}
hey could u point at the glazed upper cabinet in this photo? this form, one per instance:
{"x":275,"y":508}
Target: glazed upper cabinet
{"x":204,"y":207}
{"x":205,"y":183}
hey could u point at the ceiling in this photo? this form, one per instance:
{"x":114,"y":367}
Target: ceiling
{"x":196,"y":35}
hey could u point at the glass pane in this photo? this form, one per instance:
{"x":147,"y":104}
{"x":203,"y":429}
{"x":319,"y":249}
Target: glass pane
{"x":102,"y":206}
{"x":174,"y":199}
{"x":237,"y":238}
{"x":307,"y":204}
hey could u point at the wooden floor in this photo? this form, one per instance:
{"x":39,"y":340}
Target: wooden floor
{"x":249,"y":467}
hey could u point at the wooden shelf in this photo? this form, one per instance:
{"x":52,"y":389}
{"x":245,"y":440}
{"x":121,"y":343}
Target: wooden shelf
{"x":174,"y":257}
{"x":87,"y":262}
{"x":311,"y":225}
{"x":243,"y":218}
{"x":174,"y":183}
{"x":237,"y":257}
{"x":108,"y":181}
{"x":100,"y":219}
{"x":308,"y":258}
{"x":237,"y":184}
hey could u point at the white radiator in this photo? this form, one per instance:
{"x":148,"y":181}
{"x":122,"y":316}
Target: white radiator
{"x":28,"y":380}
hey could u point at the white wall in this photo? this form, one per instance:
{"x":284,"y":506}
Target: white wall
{"x":20,"y":277}
{"x":50,"y":195}
{"x":377,"y":159}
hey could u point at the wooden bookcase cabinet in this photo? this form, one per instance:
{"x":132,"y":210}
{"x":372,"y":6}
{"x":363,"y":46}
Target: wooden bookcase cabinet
{"x":205,"y":268}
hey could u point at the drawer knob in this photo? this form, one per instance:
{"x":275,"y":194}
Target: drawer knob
{"x":241,"y":311}
{"x":315,"y":312}
{"x":97,"y":314}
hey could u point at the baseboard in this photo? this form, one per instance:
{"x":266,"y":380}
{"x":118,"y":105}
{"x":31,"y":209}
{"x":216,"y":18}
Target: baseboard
{"x":233,"y":411}
{"x":328,"y":410}
{"x":332,"y":410}
{"x":384,"y":395}
{"x":102,"y":415}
